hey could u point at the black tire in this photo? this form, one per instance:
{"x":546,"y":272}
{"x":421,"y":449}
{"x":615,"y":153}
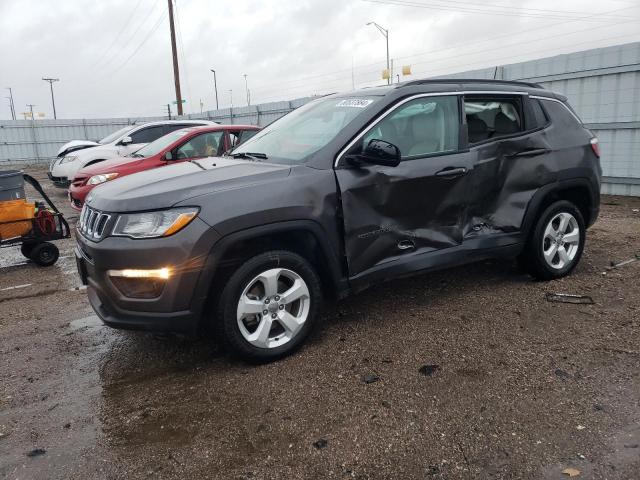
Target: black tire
{"x":26,"y":249}
{"x":226,"y":321}
{"x":532,"y":259}
{"x":44,"y":254}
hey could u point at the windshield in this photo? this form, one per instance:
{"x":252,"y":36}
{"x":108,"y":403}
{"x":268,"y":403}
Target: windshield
{"x":160,"y":144}
{"x":304,"y":131}
{"x":115,"y":135}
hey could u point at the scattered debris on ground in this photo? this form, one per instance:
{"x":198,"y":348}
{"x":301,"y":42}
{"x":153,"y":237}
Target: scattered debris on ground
{"x":428,"y":370}
{"x":370,"y":378}
{"x":321,"y":443}
{"x":568,"y":298}
{"x":36,"y":452}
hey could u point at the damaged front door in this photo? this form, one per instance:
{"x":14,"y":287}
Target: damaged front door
{"x":413,"y":208}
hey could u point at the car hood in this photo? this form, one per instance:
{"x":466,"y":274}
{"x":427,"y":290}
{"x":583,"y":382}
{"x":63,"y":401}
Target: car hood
{"x":109,"y":165}
{"x":74,"y":145}
{"x":165,"y":187}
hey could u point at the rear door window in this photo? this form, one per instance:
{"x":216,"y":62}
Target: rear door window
{"x":492,"y":117}
{"x":147,"y":135}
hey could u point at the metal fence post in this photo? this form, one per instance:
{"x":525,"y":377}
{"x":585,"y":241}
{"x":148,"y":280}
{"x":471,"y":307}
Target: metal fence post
{"x":258,"y":112}
{"x":35,"y":140}
{"x":84,"y":129}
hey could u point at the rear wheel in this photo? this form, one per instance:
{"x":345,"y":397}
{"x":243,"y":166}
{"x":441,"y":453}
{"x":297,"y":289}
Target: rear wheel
{"x":269,"y":306}
{"x":26,"y":249}
{"x":44,"y":254}
{"x":556,"y":242}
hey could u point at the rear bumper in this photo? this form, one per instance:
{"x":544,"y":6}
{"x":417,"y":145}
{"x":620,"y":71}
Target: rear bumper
{"x":180,"y":305}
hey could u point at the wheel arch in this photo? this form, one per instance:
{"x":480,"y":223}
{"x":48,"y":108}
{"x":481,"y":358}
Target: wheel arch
{"x":578,"y":191}
{"x":304,"y":237}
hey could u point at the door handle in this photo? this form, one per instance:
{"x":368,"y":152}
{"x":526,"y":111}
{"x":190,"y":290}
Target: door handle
{"x":451,"y":172}
{"x":405,"y":244}
{"x":530,"y":153}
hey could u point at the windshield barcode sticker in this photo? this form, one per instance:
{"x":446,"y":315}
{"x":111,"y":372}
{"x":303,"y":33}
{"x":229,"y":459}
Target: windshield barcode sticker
{"x":354,"y":103}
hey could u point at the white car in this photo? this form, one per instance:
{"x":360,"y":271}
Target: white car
{"x":79,"y":153}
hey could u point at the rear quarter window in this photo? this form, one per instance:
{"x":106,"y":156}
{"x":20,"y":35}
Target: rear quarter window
{"x":560,"y":114}
{"x":539,"y":116}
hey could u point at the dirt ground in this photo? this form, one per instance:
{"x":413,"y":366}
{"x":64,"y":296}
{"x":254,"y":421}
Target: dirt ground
{"x":473,"y":375}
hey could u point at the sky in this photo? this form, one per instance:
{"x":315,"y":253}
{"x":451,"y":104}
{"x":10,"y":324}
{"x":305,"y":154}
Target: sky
{"x":113,"y":58}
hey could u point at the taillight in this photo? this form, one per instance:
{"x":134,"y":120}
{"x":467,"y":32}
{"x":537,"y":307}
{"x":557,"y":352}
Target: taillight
{"x":595,"y":146}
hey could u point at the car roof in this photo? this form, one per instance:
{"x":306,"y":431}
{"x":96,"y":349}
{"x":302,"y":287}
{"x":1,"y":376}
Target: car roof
{"x":217,"y":128}
{"x":451,"y":85}
{"x":178,"y":122}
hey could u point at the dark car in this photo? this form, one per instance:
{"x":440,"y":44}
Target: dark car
{"x":347,"y":191}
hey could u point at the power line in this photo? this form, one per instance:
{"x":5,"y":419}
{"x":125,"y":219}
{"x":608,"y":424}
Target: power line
{"x":272,"y":87}
{"x":331,"y":85}
{"x":485,"y":11}
{"x":115,"y":40}
{"x":149,"y":33}
{"x":524,"y":9}
{"x":132,"y":36}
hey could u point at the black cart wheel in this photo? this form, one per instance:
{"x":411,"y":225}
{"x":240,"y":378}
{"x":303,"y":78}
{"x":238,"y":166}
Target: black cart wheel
{"x":45,"y":254}
{"x":27,"y":248}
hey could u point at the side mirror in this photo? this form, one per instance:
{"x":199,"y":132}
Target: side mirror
{"x":168,"y":156}
{"x":379,"y":152}
{"x":126,"y":141}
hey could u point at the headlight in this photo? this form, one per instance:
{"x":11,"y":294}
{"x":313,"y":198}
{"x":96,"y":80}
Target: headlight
{"x":103,"y":177}
{"x":68,"y":158}
{"x":154,"y":224}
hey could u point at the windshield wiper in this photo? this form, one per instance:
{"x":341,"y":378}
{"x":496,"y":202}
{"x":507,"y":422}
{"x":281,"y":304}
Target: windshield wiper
{"x":250,"y":155}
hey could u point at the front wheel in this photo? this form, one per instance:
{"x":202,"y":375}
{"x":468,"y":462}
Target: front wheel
{"x":556,"y":242}
{"x":269,"y":306}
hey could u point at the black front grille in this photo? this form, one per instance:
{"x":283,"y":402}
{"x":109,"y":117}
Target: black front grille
{"x":93,"y":223}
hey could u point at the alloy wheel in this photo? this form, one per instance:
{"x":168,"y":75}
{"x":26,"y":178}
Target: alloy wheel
{"x":561,"y":240}
{"x":273,"y":308}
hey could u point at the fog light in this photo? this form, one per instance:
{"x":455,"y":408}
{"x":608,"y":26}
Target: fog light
{"x":135,"y":283}
{"x":163,"y":273}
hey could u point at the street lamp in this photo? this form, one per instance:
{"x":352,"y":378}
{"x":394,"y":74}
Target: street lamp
{"x":385,"y":33}
{"x":215,"y":86}
{"x":53,"y":102}
{"x":246,"y":87}
{"x":231,"y":97}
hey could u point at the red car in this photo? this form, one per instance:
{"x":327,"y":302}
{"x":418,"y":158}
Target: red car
{"x":177,"y":146}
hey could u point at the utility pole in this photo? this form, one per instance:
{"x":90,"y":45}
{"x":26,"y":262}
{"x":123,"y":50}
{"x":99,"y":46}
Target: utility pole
{"x":13,"y":105}
{"x":215,"y":87}
{"x":246,"y":87}
{"x":53,"y":102}
{"x":31,"y":105}
{"x":169,"y":110}
{"x":176,"y":71}
{"x":385,"y":34}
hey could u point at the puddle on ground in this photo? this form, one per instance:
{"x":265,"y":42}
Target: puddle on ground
{"x":86,"y":322}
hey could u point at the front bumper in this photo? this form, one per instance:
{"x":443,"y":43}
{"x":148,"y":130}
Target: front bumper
{"x":179,"y":307}
{"x":60,"y":182}
{"x":77,"y":195}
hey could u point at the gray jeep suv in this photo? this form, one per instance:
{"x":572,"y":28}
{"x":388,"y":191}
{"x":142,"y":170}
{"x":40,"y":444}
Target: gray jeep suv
{"x":344,"y":192}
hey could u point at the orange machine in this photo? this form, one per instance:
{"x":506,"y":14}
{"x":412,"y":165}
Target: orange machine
{"x":11,"y":212}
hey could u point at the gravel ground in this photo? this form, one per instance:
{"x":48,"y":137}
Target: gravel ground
{"x":468,"y":373}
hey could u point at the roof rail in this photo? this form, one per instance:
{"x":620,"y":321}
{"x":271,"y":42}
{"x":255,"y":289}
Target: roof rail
{"x":469,"y":80}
